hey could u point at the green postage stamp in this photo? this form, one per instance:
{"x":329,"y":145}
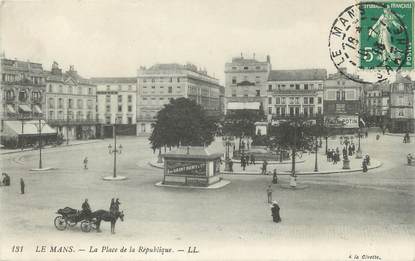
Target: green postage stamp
{"x":373,"y":40}
{"x":386,"y":36}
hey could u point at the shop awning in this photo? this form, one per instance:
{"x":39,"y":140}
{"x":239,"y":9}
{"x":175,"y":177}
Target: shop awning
{"x":15,"y":128}
{"x":37,"y":109}
{"x":25,"y":108}
{"x":10,"y":109}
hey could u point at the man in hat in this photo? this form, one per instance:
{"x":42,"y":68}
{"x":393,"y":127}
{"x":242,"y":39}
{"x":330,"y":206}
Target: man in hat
{"x":86,"y":209}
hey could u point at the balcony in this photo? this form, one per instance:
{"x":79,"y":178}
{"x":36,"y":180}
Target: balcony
{"x":73,"y":121}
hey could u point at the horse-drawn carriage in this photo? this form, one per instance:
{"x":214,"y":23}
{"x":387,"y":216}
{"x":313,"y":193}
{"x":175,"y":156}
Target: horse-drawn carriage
{"x":70,"y":217}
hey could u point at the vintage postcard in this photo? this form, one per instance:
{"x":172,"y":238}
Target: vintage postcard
{"x":207,"y":130}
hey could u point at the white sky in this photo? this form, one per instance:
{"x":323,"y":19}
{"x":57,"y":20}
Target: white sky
{"x":113,"y":38}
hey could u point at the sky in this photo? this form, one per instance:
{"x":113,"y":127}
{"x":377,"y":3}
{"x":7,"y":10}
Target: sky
{"x":114,"y":38}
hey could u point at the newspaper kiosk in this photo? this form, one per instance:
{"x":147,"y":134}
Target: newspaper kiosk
{"x":194,"y":166}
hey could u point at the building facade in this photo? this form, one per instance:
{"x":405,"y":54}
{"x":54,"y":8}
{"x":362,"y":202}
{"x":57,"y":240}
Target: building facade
{"x":116,"y":103}
{"x":295,"y":92}
{"x":23,"y":105}
{"x":401,"y":105}
{"x":376,"y":109}
{"x":162,"y":82}
{"x":246,"y":81}
{"x":70,"y":104}
{"x":23,"y":89}
{"x":342,"y":103}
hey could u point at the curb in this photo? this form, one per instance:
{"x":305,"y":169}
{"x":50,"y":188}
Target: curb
{"x":154,"y":166}
{"x":273,"y":162}
{"x":308,"y":173}
{"x":44,"y":148}
{"x":216,"y":185}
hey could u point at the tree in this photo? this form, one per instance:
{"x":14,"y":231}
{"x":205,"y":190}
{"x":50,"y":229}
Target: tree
{"x":182,"y":122}
{"x":241,"y":123}
{"x":295,"y":135}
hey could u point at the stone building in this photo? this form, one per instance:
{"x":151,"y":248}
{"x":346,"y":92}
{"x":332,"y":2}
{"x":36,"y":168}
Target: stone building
{"x":162,"y":82}
{"x":376,"y":109}
{"x":70,"y":103}
{"x":23,"y":89}
{"x":295,"y":92}
{"x":116,"y":103}
{"x":401,"y":105}
{"x":342,"y":103}
{"x":246,"y":82}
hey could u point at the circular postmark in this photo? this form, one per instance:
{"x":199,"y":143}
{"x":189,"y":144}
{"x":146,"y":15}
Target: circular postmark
{"x":369,"y":42}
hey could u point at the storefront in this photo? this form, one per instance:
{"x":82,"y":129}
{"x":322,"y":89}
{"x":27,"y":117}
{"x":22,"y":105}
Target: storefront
{"x":18,"y":134}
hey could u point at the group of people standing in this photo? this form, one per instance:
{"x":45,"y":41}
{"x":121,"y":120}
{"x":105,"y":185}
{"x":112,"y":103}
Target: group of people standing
{"x":247,"y":159}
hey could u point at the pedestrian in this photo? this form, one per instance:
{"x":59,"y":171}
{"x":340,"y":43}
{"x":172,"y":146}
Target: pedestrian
{"x":368,"y":159}
{"x":243,"y":163}
{"x":377,"y":136}
{"x":117,"y":205}
{"x":252,"y":158}
{"x":264,"y":167}
{"x":409,"y":158}
{"x":230,"y":165}
{"x":275,"y":212}
{"x":86,"y":163}
{"x":22,"y":185}
{"x":269,"y":193}
{"x":274,"y":177}
{"x":6,"y":179}
{"x":364,"y":166}
{"x":247,"y":159}
{"x":366,"y":134}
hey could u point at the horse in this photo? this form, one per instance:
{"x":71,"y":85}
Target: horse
{"x":107,"y":216}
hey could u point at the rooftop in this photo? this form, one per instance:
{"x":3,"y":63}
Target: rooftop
{"x":195,"y":152}
{"x":298,"y":75}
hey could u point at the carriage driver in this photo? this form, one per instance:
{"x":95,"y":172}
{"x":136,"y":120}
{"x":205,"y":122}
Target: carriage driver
{"x":86,"y":209}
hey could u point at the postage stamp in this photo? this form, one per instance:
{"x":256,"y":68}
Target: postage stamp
{"x":373,"y":40}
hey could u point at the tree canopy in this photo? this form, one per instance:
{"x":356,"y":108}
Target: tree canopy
{"x":182,"y":122}
{"x":241,"y":123}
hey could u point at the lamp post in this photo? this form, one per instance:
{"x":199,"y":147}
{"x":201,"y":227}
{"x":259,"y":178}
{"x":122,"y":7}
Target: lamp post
{"x":316,"y":151}
{"x":227,"y":142}
{"x":39,"y":127}
{"x":114,"y":151}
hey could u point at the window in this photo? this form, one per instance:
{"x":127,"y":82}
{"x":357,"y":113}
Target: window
{"x":119,"y":108}
{"x":153,"y":87}
{"x":36,"y":97}
{"x":60,"y":103}
{"x":153,"y":80}
{"x":258,"y":67}
{"x":178,"y":79}
{"x":311,"y":109}
{"x":60,"y":88}
{"x":297,"y":100}
{"x":270,"y":87}
{"x":258,"y":93}
{"x":130,"y":87}
{"x":278,"y":111}
{"x":311,"y":100}
{"x":108,"y":87}
{"x":291,"y":85}
{"x":283,"y":111}
{"x":50,"y":88}
{"x":343,"y":95}
{"x":90,"y":91}
{"x":320,"y":100}
{"x":269,"y":100}
{"x":130,"y":98}
{"x":108,"y":108}
{"x":80,"y":104}
{"x":277,"y":100}
{"x":245,"y":67}
{"x":70,"y":103}
{"x":338,"y":95}
{"x":297,"y":86}
{"x":291,"y":111}
{"x":283,"y":100}
{"x":269,"y":110}
{"x":340,"y":108}
{"x":130,"y":108}
{"x":170,"y":90}
{"x":234,"y":68}
{"x":50,"y":114}
{"x":51,"y":103}
{"x":119,"y":98}
{"x":233,"y":80}
{"x":305,"y":86}
{"x":22,"y":96}
{"x":9,"y":95}
{"x":107,"y":98}
{"x":319,"y":110}
{"x":257,"y":79}
{"x":130,"y":120}
{"x":297,"y":110}
{"x":70,"y":89}
{"x":305,"y":100}
{"x":108,"y":119}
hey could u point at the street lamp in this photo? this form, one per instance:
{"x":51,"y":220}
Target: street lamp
{"x":227,"y":142}
{"x":39,"y":127}
{"x":114,"y":150}
{"x":316,"y":151}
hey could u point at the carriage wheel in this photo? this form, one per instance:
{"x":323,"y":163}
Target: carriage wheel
{"x":86,"y":226}
{"x":60,"y":223}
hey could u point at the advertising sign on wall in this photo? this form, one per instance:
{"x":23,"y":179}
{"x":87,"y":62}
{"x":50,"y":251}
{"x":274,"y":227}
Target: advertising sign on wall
{"x":346,"y":121}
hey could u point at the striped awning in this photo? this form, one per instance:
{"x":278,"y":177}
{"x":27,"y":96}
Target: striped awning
{"x":25,"y":108}
{"x":10,"y":109}
{"x":37,"y":109}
